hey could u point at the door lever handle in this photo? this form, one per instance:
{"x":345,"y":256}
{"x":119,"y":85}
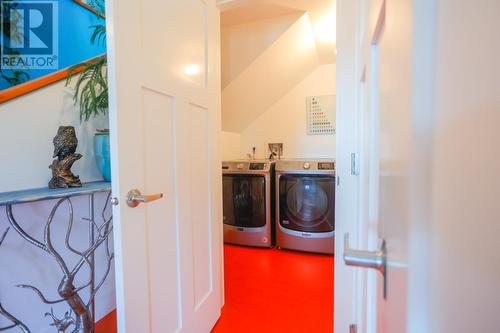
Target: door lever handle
{"x":368,"y":259}
{"x":135,"y":197}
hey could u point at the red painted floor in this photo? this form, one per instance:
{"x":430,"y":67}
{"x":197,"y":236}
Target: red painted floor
{"x":107,"y":324}
{"x":270,"y":291}
{"x":273,"y":291}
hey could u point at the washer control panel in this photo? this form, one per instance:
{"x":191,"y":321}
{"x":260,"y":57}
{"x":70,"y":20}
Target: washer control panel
{"x":250,"y":166}
{"x":257,"y":166}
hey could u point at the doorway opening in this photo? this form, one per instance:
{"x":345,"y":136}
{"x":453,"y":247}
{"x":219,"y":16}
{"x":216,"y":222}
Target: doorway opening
{"x":278,"y":151}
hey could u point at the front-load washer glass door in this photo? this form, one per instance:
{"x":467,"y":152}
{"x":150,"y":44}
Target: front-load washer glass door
{"x":244,"y":200}
{"x":307,"y":203}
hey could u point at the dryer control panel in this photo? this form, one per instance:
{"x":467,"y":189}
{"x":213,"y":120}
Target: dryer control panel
{"x":326,"y":166}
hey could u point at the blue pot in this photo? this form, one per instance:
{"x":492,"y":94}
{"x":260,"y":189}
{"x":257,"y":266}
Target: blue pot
{"x":102,"y":157}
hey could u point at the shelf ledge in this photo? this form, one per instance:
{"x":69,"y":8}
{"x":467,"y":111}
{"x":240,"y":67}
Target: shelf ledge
{"x":39,"y":194}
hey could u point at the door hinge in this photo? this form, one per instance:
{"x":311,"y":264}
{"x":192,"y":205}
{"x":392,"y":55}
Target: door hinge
{"x":353,"y":328}
{"x":355,"y":164}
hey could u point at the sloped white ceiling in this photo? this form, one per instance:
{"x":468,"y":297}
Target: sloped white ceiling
{"x":254,"y":12}
{"x":243,"y":43}
{"x":279,"y":68}
{"x":268,"y":47}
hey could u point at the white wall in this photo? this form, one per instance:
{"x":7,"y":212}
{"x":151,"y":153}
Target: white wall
{"x":269,"y":67}
{"x":465,"y":255}
{"x":241,"y":44}
{"x":277,"y":69}
{"x":231,"y":143}
{"x":27,"y":126}
{"x":265,"y":89}
{"x":285,"y":121}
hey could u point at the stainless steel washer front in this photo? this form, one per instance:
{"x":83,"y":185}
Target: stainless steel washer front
{"x":248,"y":208}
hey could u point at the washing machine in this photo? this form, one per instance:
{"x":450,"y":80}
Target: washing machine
{"x":248,"y":205}
{"x":305,"y":205}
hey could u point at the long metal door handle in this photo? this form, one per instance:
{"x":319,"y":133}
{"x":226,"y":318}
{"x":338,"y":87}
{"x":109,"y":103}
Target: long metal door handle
{"x":368,"y":259}
{"x":135,"y":197}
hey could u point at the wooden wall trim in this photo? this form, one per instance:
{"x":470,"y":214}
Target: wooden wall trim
{"x":24,"y":88}
{"x":93,"y":10}
{"x":32,"y":85}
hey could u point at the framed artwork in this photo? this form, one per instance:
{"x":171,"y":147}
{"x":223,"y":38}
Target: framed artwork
{"x":42,"y":40}
{"x":321,"y":115}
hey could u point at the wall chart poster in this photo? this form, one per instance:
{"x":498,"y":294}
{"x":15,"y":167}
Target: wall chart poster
{"x":321,"y":115}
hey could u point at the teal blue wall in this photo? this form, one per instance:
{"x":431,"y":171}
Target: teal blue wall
{"x":75,"y":31}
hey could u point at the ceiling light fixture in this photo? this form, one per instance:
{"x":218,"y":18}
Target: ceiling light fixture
{"x":325,"y":28}
{"x":192,"y":70}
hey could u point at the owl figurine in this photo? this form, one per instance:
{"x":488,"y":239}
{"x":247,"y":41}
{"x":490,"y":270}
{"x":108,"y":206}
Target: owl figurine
{"x":65,"y":142}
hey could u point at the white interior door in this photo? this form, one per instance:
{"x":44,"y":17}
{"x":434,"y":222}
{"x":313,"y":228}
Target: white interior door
{"x":397,"y":50}
{"x":347,"y":297}
{"x":439,"y":188}
{"x":165,"y":125}
{"x":384,"y":117}
{"x":368,"y":124}
{"x":437,"y":108}
{"x":380,"y":37}
{"x":390,"y":45}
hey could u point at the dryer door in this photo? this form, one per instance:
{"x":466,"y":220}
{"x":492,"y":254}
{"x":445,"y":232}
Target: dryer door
{"x":307,"y":203}
{"x":244,"y":198}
